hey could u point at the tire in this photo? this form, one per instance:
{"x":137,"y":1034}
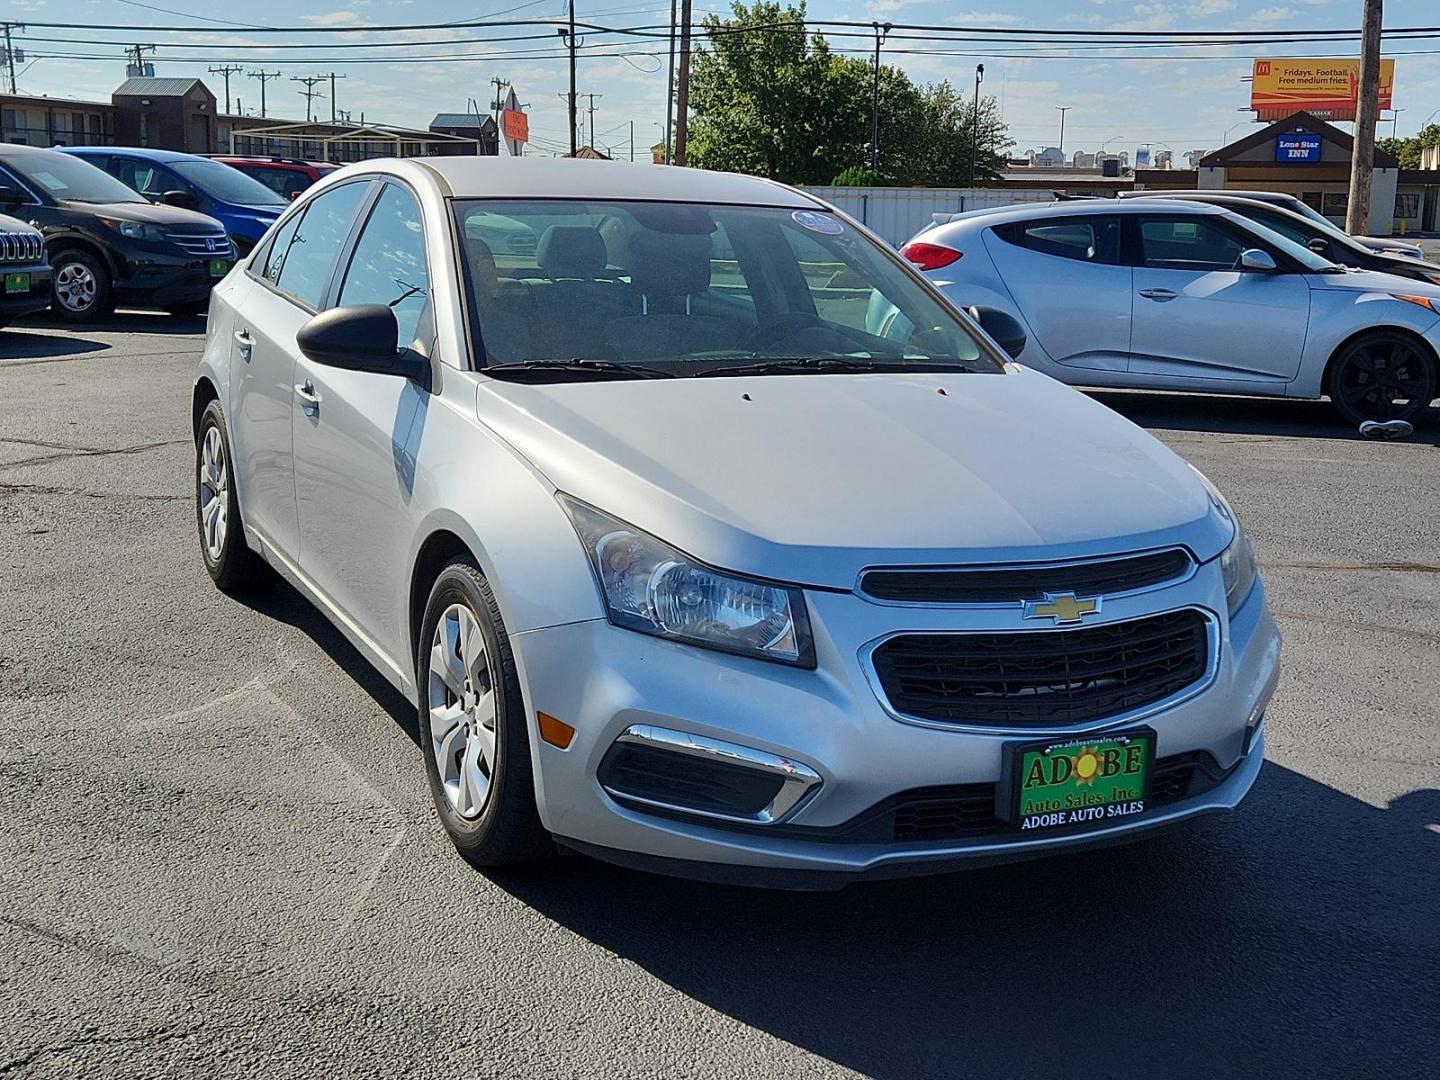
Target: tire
{"x":190,"y":310}
{"x":232,"y":566}
{"x":81,"y":289}
{"x":1383,"y":375}
{"x":477,"y":737}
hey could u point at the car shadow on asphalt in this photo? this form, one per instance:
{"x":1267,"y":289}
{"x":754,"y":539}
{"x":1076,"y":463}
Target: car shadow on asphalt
{"x":15,"y":344}
{"x":1276,"y":417}
{"x":281,"y":601}
{"x":123,"y":321}
{"x":1296,"y":938}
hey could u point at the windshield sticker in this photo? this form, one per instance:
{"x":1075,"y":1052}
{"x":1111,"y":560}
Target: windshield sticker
{"x":49,"y":179}
{"x":825,"y":224}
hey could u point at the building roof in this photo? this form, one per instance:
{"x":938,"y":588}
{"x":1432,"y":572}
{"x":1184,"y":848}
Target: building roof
{"x":569,"y":178}
{"x":1298,"y":121}
{"x":592,"y":154}
{"x":157,"y":87}
{"x":462,"y":120}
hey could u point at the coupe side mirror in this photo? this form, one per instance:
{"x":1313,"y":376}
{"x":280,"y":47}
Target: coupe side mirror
{"x":9,"y":196}
{"x":185,"y":200}
{"x":1255,"y":259}
{"x":360,"y":337}
{"x":1320,"y":246}
{"x":1005,"y":329}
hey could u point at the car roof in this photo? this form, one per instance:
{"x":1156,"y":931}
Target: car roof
{"x":1072,"y":208}
{"x":1210,"y":193}
{"x":144,"y":152}
{"x":578,"y":178}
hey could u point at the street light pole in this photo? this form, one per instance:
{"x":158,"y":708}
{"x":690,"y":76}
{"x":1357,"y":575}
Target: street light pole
{"x":975,"y":122}
{"x":882,"y":31}
{"x":1063,"y":109}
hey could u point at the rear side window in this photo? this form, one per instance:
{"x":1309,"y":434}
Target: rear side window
{"x":388,"y":266}
{"x":1187,"y":244}
{"x":287,"y":183}
{"x":311,"y":253}
{"x":274,"y":257}
{"x":1089,"y":239}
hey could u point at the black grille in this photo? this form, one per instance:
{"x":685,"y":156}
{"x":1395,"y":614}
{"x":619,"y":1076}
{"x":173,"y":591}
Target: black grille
{"x":1043,"y":678}
{"x":1013,"y":584}
{"x":656,"y":775}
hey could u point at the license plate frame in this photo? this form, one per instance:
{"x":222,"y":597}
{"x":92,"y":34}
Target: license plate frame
{"x":17,"y":283}
{"x":1078,"y":805}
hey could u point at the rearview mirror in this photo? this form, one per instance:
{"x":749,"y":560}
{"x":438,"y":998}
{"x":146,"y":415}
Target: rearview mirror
{"x":185,"y":200}
{"x":1255,"y":259}
{"x":1005,"y":329}
{"x":360,"y":337}
{"x":9,"y":196}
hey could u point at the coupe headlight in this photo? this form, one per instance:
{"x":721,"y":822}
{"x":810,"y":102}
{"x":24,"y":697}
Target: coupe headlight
{"x":1237,"y":561}
{"x":136,"y":230}
{"x":651,"y":587}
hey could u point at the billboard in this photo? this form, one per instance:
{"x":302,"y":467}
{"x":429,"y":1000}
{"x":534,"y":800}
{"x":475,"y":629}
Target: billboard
{"x":1324,"y":88}
{"x":1298,"y":149}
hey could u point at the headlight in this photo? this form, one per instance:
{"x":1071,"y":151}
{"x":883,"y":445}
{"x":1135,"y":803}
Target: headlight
{"x":136,"y":230}
{"x":651,"y":587}
{"x":1237,"y":561}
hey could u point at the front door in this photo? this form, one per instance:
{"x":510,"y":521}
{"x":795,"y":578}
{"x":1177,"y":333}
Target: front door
{"x":358,"y":433}
{"x":1197,"y":315}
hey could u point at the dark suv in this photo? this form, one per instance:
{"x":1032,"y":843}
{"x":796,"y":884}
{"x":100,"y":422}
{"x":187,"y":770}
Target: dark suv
{"x":107,"y":244}
{"x":26,"y":274}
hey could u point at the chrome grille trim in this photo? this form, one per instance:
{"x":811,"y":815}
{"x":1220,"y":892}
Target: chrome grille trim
{"x":209,"y":245}
{"x":25,"y":247}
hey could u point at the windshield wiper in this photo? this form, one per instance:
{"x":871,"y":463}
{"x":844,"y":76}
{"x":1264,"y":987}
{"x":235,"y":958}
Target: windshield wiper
{"x":573,"y":370}
{"x":822,"y":365}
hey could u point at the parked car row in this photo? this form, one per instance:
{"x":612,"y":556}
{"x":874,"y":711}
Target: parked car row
{"x":143,"y":228}
{"x":1221,"y":296}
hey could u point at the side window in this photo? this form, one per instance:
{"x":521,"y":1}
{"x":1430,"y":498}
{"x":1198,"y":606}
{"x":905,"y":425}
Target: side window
{"x":305,"y":269}
{"x":1095,"y":240}
{"x":273,"y":259}
{"x":1187,"y":244}
{"x":388,"y":266}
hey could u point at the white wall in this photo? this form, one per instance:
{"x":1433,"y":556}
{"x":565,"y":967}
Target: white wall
{"x":897,"y":214}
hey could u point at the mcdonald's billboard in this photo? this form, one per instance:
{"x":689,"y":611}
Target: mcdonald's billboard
{"x":1327,"y":89}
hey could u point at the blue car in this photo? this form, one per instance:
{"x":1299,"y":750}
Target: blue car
{"x":243,"y":205}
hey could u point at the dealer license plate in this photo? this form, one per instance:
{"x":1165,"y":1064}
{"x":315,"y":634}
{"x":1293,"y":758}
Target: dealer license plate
{"x":219,"y":267}
{"x":1094,"y":781}
{"x":17,"y":283}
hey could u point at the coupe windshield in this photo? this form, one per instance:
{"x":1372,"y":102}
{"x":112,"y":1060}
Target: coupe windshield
{"x":1312,"y":262}
{"x":655,"y":289}
{"x":220,"y":181}
{"x":64,"y":177}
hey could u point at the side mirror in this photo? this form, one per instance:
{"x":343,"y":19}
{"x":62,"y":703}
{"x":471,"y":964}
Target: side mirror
{"x":1320,"y":246}
{"x":1005,"y":329}
{"x":185,"y":200}
{"x":360,"y":337}
{"x":1255,"y":259}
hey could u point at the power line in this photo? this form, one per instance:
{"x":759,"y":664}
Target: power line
{"x":225,"y":72}
{"x":309,"y":93}
{"x":264,"y":77}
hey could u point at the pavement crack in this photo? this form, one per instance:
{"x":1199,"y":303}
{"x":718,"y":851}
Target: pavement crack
{"x":153,"y":1036}
{"x":87,"y":451}
{"x":1355,"y":624}
{"x":55,"y":489}
{"x":1394,"y":565}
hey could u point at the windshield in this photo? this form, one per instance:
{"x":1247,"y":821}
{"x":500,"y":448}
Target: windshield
{"x":221,"y":182}
{"x":691,"y":289}
{"x":1275,"y":219}
{"x":64,"y":177}
{"x":1315,"y":264}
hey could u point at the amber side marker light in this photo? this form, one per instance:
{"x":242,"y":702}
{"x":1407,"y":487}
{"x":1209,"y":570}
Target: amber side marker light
{"x":555,"y":732}
{"x":1422,"y":301}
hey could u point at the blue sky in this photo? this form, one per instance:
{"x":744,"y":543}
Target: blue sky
{"x":1183,"y":103}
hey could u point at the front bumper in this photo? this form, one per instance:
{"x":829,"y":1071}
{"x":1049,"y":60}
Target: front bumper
{"x":603,"y":681}
{"x":36,"y":298}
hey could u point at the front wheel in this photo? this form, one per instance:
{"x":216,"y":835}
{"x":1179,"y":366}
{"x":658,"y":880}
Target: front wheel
{"x":473,"y":729}
{"x":81,"y":287}
{"x":1384,"y":375}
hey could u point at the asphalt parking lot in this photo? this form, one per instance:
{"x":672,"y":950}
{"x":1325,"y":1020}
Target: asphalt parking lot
{"x":217,"y":855}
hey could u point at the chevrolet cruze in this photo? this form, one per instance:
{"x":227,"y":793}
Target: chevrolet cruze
{"x":691,"y":561}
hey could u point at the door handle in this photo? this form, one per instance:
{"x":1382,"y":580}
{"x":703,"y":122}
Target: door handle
{"x":246,"y":343}
{"x":1158,"y":294}
{"x":309,"y":399}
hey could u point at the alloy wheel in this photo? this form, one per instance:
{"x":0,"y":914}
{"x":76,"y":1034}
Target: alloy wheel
{"x":1383,"y":379}
{"x":214,"y":493}
{"x":75,"y":286}
{"x":461,"y":696}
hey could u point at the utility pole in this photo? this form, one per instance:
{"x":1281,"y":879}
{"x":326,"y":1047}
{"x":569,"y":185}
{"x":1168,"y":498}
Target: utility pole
{"x":137,"y":52}
{"x":1395,"y":123}
{"x":309,"y":93}
{"x":632,"y":140}
{"x":569,"y":38}
{"x":1367,"y":112}
{"x":264,"y":77}
{"x":333,"y":77}
{"x":881,"y":33}
{"x":225,"y":72}
{"x":682,"y":91}
{"x":591,"y":111}
{"x":1063,"y":109}
{"x":975,"y":122}
{"x":10,"y":51}
{"x":670,"y":88}
{"x":499,"y":101}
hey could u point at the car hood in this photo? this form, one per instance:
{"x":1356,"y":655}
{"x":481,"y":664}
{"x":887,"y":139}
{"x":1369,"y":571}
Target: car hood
{"x":1373,"y":281}
{"x":810,"y":478}
{"x":170,"y":217}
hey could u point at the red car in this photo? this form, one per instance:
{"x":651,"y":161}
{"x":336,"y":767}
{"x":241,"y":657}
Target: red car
{"x":286,"y":176}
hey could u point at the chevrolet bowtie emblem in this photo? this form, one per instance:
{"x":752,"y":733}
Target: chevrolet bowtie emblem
{"x":1062,"y":607}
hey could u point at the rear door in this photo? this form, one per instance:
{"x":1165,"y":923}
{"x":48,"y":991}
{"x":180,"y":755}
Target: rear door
{"x":1067,"y":277}
{"x":1197,"y":315}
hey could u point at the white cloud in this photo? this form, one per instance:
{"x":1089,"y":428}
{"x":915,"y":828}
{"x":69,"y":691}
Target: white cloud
{"x":1148,"y":17}
{"x":1212,"y":7}
{"x":1273,"y":14}
{"x":983,"y":18}
{"x":332,"y":18}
